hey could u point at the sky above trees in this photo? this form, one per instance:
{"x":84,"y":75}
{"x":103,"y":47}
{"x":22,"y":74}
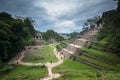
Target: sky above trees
{"x":63,"y":16}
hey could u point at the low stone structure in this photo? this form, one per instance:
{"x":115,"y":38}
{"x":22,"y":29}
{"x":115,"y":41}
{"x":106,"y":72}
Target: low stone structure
{"x":38,"y":36}
{"x":38,"y":39}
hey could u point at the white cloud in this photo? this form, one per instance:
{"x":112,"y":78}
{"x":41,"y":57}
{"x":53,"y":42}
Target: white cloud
{"x":66,"y":24}
{"x":66,"y":27}
{"x":67,"y":15}
{"x":59,"y":15}
{"x":57,"y":8}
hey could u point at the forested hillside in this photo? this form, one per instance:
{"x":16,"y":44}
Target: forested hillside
{"x":15,"y":33}
{"x":51,"y":34}
{"x":110,"y":33}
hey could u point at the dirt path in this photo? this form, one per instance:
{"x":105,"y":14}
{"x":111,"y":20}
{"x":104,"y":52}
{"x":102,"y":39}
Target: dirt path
{"x":52,"y":65}
{"x":48,"y":64}
{"x":18,"y":60}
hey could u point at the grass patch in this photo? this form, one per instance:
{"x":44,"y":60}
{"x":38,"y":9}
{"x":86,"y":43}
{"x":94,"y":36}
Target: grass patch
{"x":66,"y":42}
{"x":72,"y":65}
{"x":105,"y":65}
{"x":73,"y":70}
{"x":108,"y":56}
{"x":102,"y":42}
{"x":24,"y":73}
{"x":69,"y":67}
{"x":90,"y":75}
{"x":46,"y":53}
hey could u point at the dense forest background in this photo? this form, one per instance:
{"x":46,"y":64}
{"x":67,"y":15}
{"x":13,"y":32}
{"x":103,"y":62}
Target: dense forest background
{"x":15,"y":33}
{"x":110,"y":33}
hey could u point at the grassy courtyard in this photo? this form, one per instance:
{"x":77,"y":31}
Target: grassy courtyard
{"x":44,"y":54}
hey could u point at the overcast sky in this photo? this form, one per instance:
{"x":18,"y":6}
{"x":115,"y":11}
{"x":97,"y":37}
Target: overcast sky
{"x":63,"y":16}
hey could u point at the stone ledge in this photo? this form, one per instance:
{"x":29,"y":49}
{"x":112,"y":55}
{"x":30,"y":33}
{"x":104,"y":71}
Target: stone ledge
{"x":68,"y":51}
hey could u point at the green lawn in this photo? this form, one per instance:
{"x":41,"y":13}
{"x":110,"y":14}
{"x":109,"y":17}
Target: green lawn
{"x":73,"y":70}
{"x":24,"y":73}
{"x":46,"y":53}
{"x":105,"y":65}
{"x":106,"y":55}
{"x":72,"y":66}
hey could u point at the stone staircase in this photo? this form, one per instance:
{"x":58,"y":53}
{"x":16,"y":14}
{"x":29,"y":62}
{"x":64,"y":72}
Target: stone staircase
{"x":79,"y":43}
{"x":73,"y":52}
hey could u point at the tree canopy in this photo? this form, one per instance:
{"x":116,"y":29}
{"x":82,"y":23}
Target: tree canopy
{"x":14,"y":35}
{"x":111,"y":29}
{"x":51,"y":34}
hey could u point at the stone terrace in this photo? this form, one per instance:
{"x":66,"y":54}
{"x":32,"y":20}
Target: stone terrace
{"x":78,"y":43}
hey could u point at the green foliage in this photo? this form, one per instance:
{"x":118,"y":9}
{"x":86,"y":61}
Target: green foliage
{"x":24,"y":73}
{"x":74,"y":35}
{"x":92,"y":21}
{"x":59,"y":47}
{"x":90,"y":24}
{"x":111,"y":30}
{"x":73,"y":70}
{"x":51,"y":34}
{"x":67,"y":66}
{"x":103,"y":55}
{"x":6,"y":68}
{"x":62,"y":45}
{"x":14,"y":35}
{"x":90,"y":75}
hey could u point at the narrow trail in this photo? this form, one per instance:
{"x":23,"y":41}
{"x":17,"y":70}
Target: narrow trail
{"x":50,"y":66}
{"x":19,"y":61}
{"x":26,"y":63}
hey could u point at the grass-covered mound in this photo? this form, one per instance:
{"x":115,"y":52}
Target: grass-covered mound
{"x":44,"y":54}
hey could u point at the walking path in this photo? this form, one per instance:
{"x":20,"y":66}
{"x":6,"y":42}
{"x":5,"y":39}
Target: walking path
{"x":52,"y":65}
{"x":49,"y":65}
{"x":19,"y":61}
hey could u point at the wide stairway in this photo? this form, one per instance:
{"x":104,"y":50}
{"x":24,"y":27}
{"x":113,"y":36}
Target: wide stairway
{"x":79,"y":43}
{"x":98,"y":60}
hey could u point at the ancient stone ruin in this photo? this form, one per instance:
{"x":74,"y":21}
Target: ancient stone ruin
{"x":79,"y":43}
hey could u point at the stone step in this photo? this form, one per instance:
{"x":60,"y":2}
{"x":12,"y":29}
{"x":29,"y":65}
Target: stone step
{"x":88,"y":37}
{"x":80,"y":42}
{"x":90,"y":34}
{"x":71,"y":48}
{"x":95,"y":31}
{"x":83,"y":40}
{"x":68,"y":51}
{"x":77,"y":46}
{"x":65,"y":53}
